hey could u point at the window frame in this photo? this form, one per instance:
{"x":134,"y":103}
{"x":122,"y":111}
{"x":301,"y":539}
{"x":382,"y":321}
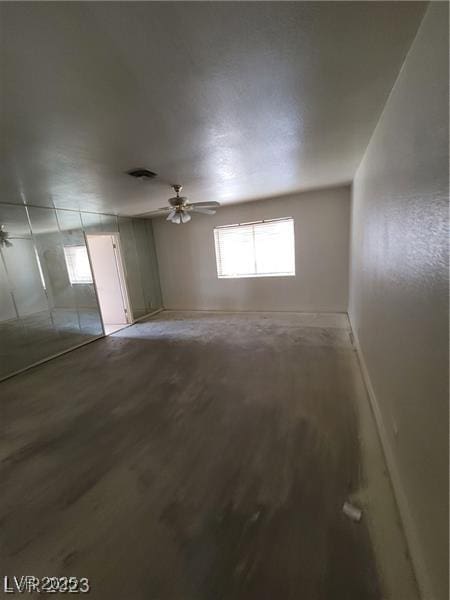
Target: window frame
{"x":70,"y":269}
{"x":254,"y":275}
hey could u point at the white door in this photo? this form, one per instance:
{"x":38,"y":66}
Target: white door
{"x":108,"y":277}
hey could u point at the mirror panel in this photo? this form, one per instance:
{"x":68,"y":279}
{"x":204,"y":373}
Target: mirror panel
{"x":48,"y":301}
{"x":132,"y":267}
{"x":85,"y":297}
{"x":63,"y":314}
{"x":96,"y":223}
{"x":148,"y":267}
{"x":25,"y":313}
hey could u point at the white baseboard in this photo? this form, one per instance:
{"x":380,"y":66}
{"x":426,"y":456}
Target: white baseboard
{"x":148,"y":315}
{"x":409,"y":527}
{"x":257,"y":312}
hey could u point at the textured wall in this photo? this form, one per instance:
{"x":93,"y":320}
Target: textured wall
{"x":187,"y":260}
{"x":399,"y":293}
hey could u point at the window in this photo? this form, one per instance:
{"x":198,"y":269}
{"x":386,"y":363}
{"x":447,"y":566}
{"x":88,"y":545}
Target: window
{"x":261,"y":249}
{"x":77,"y":263}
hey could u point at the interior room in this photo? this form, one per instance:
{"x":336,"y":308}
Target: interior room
{"x":224,"y":300}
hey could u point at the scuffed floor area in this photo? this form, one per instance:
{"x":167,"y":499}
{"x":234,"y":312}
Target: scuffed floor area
{"x":194,"y":456}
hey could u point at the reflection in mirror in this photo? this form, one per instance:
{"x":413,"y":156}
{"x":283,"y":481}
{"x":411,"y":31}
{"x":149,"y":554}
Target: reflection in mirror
{"x":64,"y":321}
{"x":146,"y":253}
{"x":42,"y":312}
{"x":97,"y":223}
{"x":132,"y":267}
{"x":78,"y":273}
{"x":23,"y":294}
{"x":62,"y":307}
{"x":11,"y":329}
{"x":48,"y":301}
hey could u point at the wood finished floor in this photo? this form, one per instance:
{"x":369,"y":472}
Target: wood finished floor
{"x":195,"y":456}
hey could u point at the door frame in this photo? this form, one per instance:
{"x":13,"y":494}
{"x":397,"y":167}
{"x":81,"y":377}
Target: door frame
{"x":121,"y":273}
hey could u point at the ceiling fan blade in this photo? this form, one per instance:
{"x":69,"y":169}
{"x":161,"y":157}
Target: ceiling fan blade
{"x":205,"y":204}
{"x":155,"y":212}
{"x":203,"y":210}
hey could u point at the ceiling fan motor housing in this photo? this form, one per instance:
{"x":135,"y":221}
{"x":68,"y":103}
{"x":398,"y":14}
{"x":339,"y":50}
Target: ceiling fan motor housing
{"x":177,"y":201}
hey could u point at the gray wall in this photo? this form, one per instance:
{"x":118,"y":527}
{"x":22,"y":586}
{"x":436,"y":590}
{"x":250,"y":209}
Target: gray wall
{"x":187,"y":261}
{"x":399,"y":293}
{"x":36,"y":321}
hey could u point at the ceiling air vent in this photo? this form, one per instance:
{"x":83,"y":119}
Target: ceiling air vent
{"x":141,"y":173}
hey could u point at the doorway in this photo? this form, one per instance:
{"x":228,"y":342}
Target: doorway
{"x":109,"y":276}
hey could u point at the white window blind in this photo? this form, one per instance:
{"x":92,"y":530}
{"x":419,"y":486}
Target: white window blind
{"x":262,"y":249}
{"x":77,"y":263}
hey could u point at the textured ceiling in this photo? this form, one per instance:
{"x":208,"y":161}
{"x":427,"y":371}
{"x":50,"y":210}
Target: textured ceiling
{"x":235,"y":100}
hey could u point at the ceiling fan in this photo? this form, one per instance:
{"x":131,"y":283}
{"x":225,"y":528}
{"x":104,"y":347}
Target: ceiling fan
{"x":4,"y":235}
{"x":179,"y":208}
